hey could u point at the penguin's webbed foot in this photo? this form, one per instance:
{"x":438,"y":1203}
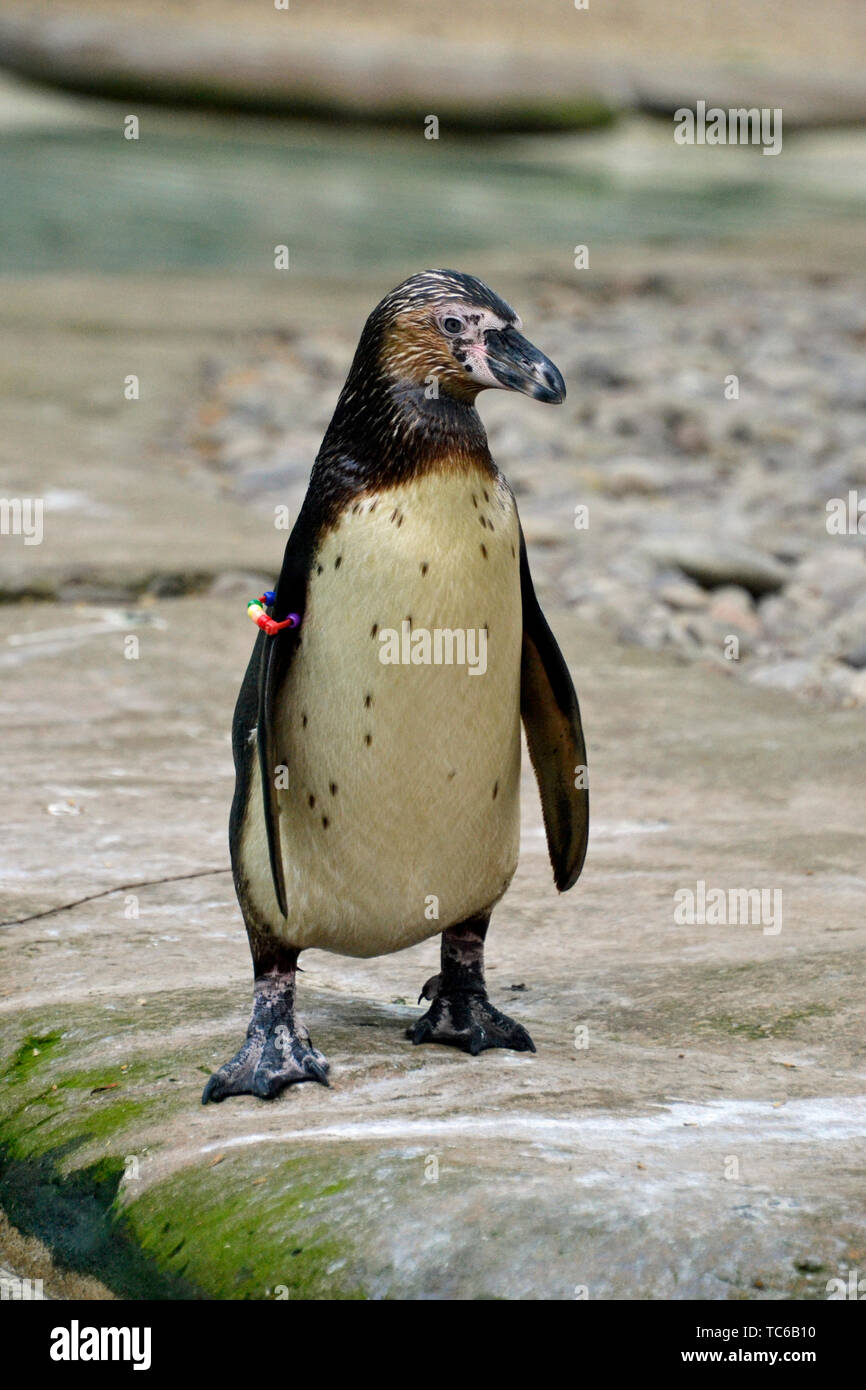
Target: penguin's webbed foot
{"x":277,"y":1051}
{"x":468,"y":1020}
{"x":265,"y":1066}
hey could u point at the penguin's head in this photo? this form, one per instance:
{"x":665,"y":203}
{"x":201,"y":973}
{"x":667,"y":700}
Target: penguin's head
{"x":450,"y":335}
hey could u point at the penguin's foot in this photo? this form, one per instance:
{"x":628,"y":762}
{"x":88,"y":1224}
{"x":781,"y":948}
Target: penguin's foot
{"x":460,"y":1013}
{"x":266,"y":1064}
{"x":469,"y":1021}
{"x":277,"y":1051}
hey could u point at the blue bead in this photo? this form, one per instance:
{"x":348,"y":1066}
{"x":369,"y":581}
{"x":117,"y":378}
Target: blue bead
{"x":269,"y":596}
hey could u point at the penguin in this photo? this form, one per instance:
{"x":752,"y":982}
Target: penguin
{"x":376,"y":735}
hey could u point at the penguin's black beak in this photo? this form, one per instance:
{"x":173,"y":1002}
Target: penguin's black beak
{"x":518,"y":365}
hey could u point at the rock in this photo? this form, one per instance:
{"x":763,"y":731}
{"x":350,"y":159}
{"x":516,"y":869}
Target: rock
{"x":683,"y":594}
{"x":325,"y":1192}
{"x":345,"y":75}
{"x":239,"y":584}
{"x":111,"y":1021}
{"x":855,"y":467}
{"x":713,"y":563}
{"x":807,"y":94}
{"x":598,"y":372}
{"x":686,"y":430}
{"x":643,"y":477}
{"x":795,"y":675}
{"x":733,"y":607}
{"x":541,"y":530}
{"x":715,"y":634}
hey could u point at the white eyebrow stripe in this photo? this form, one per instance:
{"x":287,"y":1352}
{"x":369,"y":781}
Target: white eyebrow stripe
{"x":494,"y":321}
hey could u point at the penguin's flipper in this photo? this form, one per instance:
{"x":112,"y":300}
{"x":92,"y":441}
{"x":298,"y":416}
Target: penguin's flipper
{"x":551,"y":718}
{"x":276,"y":657}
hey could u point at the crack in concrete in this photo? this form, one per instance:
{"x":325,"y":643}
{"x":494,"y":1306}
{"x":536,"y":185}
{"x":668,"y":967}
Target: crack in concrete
{"x":107,"y":892}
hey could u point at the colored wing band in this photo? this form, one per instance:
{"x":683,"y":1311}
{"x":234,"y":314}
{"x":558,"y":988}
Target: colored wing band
{"x":256,"y":609}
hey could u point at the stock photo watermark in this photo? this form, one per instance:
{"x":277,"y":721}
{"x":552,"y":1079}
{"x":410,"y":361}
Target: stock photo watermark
{"x":443,"y":646}
{"x":737,"y":126}
{"x":846,"y":516}
{"x":77,"y":1343}
{"x":850,"y":1287}
{"x":22,"y":516}
{"x":732,"y":907}
{"x":16,"y":1290}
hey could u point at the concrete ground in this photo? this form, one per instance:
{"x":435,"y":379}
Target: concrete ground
{"x":692,"y":1123}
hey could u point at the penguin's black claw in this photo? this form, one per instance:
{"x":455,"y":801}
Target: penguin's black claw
{"x":469,"y":1021}
{"x":317,"y":1068}
{"x":266,"y":1065}
{"x":431,"y":988}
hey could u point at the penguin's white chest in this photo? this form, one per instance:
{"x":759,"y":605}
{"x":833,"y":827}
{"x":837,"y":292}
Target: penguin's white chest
{"x":399,"y":723}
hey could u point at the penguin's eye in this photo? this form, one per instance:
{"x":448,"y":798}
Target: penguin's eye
{"x":452,"y":324}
